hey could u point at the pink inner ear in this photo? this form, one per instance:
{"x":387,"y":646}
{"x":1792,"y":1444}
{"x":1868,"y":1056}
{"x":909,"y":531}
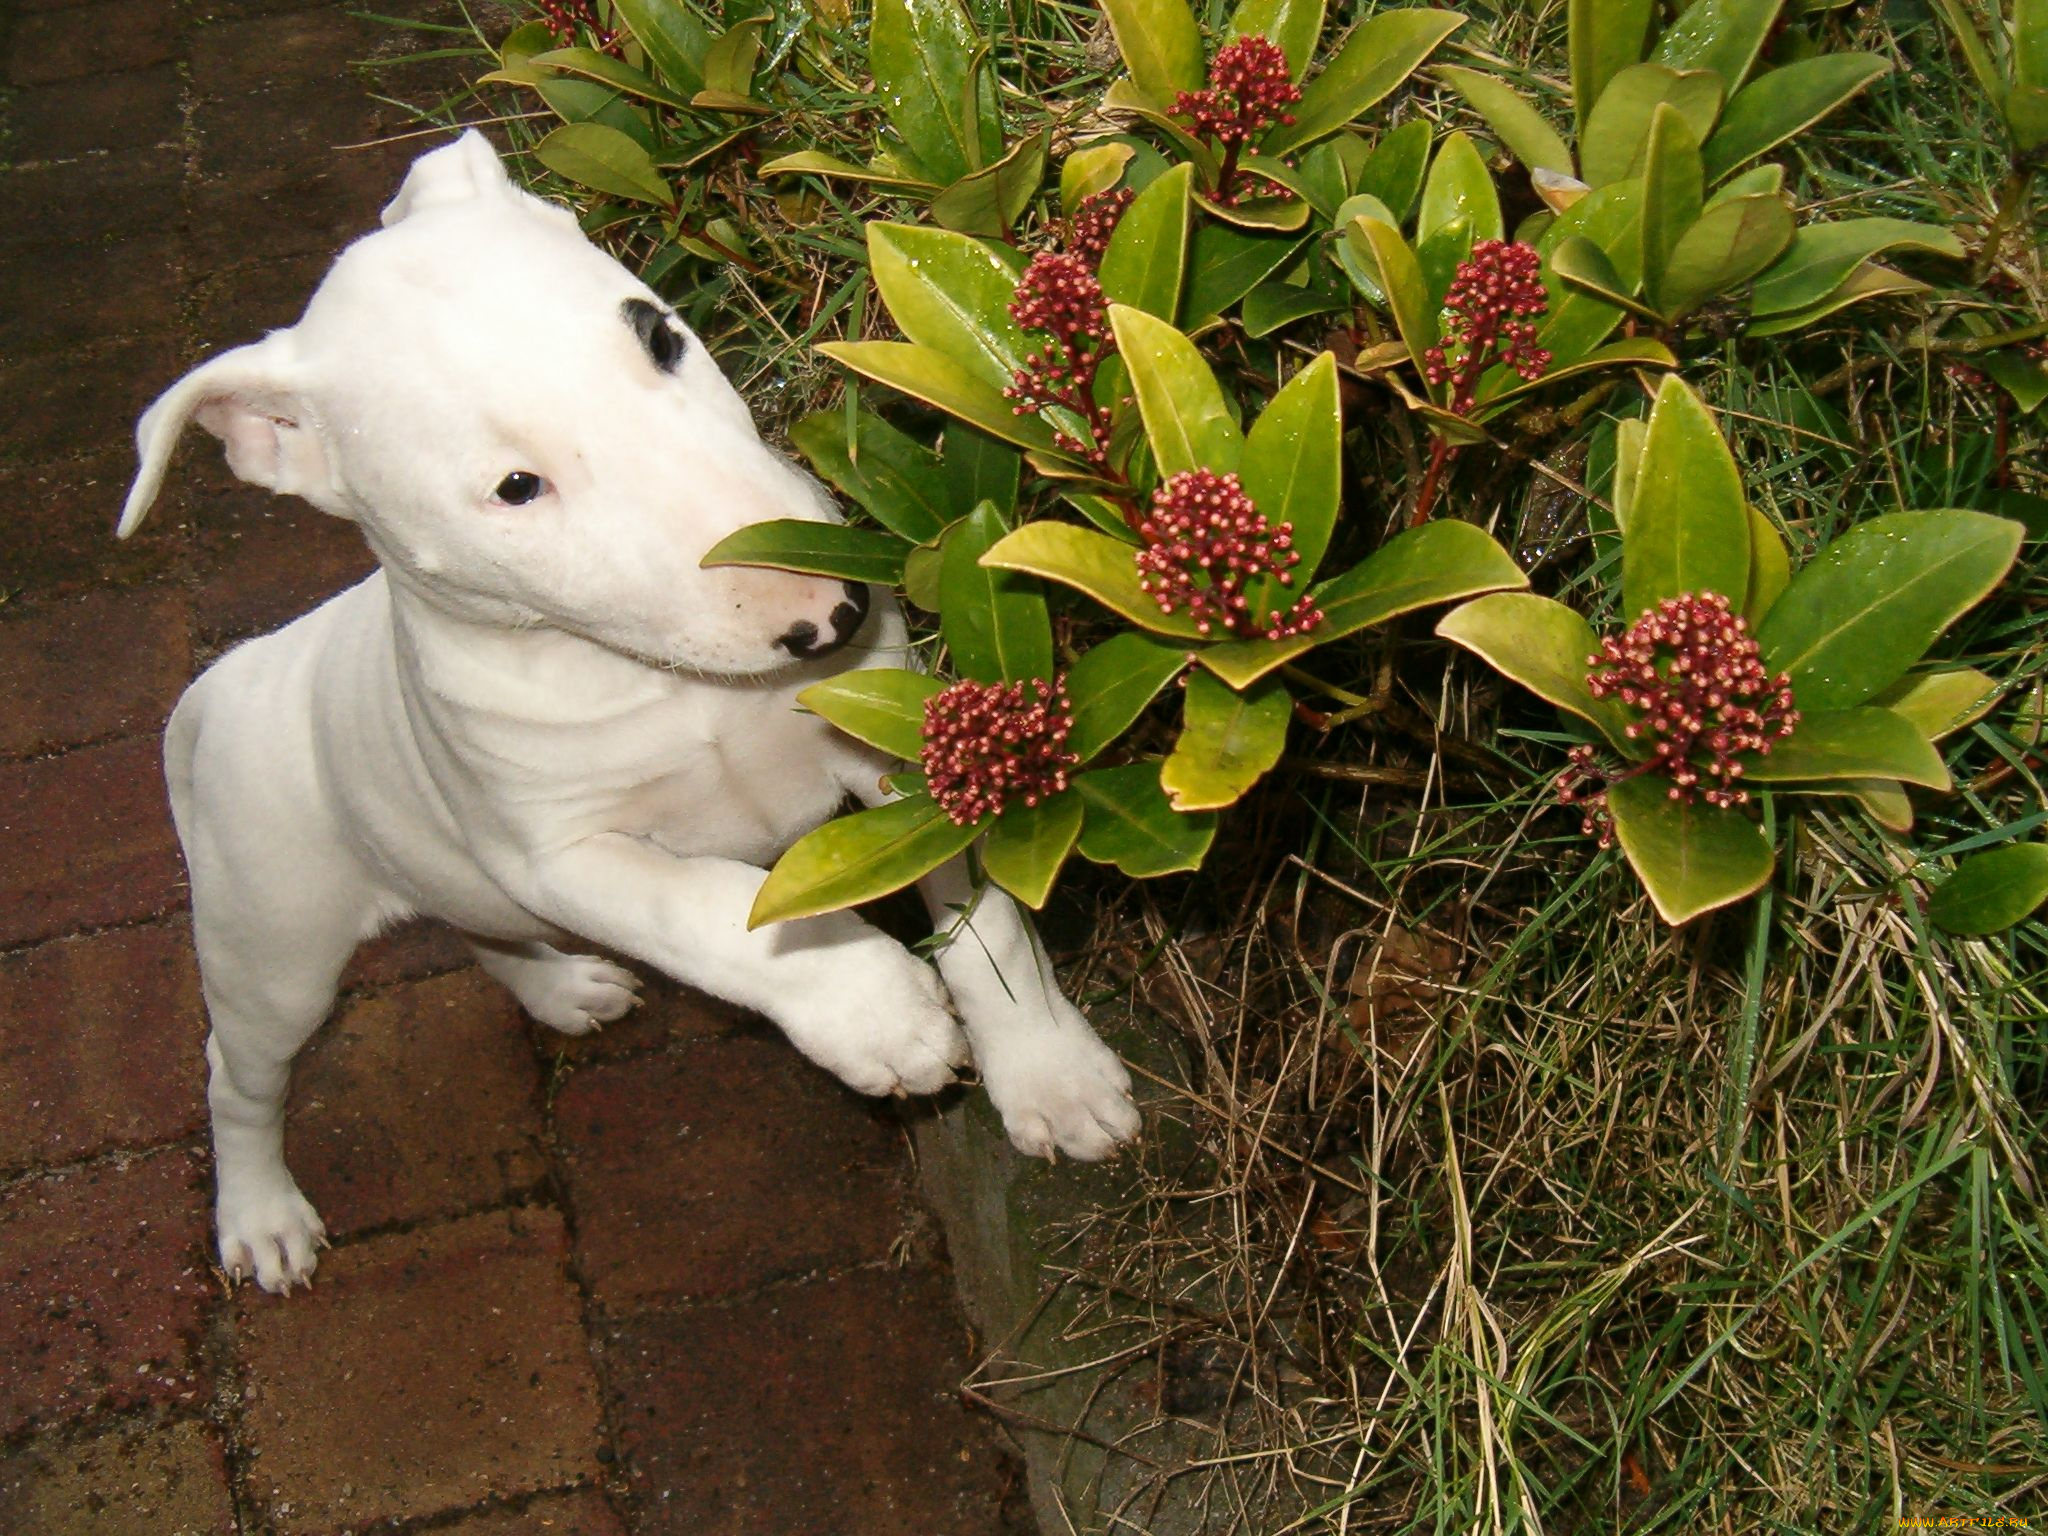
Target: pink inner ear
{"x":251,"y":437}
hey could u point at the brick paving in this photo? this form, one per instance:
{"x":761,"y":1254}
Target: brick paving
{"x":666,"y":1279}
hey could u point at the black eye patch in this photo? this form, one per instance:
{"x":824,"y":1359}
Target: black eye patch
{"x":662,"y":341}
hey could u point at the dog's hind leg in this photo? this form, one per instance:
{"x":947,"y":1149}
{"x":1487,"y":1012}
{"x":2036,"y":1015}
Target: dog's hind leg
{"x":571,"y":993}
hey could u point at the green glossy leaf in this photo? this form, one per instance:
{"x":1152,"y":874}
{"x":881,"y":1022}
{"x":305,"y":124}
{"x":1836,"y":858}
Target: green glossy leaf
{"x":1225,"y":263}
{"x":1228,"y":742}
{"x":1147,"y":254}
{"x":1604,"y":37}
{"x":674,"y":39}
{"x":1862,"y":743}
{"x":1393,"y":172}
{"x":1417,"y":568}
{"x":1616,"y":141}
{"x":994,"y":620}
{"x":1294,"y":24}
{"x":1724,"y":36}
{"x":1028,"y":843}
{"x":1089,"y":171}
{"x":857,"y":858}
{"x":1822,"y":257}
{"x":1770,"y":567}
{"x":1187,"y":420}
{"x":589,"y":64}
{"x":1688,"y":522}
{"x":818,"y":549}
{"x":933,"y":377}
{"x":1544,"y":646}
{"x":1527,"y":134}
{"x":951,"y":293}
{"x":2019,"y":374}
{"x":922,"y":53}
{"x":894,"y":478}
{"x":1438,"y":258}
{"x":1674,"y":190}
{"x":1690,"y":858}
{"x":1781,"y":102}
{"x":1393,"y":265}
{"x":974,"y":468}
{"x":1459,"y":186}
{"x":1939,"y":703}
{"x":1869,"y":281}
{"x":921,"y":568}
{"x":1992,"y":890}
{"x":814,"y":162}
{"x":1293,"y":463}
{"x":1272,"y":306}
{"x":882,"y":706}
{"x":992,"y":201}
{"x":1728,"y":245}
{"x":2029,"y":43}
{"x":1758,"y":178}
{"x":1882,"y":800}
{"x":1869,"y":605}
{"x":605,"y":160}
{"x":1583,"y":268}
{"x":1161,"y":45}
{"x":1631,"y":352}
{"x":1280,"y":214}
{"x":1131,"y":824}
{"x":729,"y":61}
{"x":1110,"y":686}
{"x":1090,"y":562}
{"x":1380,"y":53}
{"x":2026,"y":118}
{"x":1125,"y":96}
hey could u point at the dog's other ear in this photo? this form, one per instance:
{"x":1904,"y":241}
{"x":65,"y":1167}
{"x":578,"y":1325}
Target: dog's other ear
{"x":252,"y":400}
{"x":454,"y":173}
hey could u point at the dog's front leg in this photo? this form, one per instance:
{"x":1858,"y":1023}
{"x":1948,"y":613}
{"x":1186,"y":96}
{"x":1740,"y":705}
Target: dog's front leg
{"x":850,"y":998}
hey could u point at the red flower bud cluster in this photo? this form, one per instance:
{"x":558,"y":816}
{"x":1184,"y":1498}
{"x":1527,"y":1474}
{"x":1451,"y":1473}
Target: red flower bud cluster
{"x":1493,"y":299}
{"x":1249,"y":90}
{"x":986,"y":744}
{"x":565,"y":19}
{"x":1204,"y":542}
{"x":1059,"y":296}
{"x":1692,"y":670}
{"x":1088,"y":231}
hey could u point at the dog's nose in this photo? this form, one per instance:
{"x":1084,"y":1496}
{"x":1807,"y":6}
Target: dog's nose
{"x":802,"y":638}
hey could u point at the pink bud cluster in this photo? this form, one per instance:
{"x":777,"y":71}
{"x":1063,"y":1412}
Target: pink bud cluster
{"x":1249,"y":90}
{"x":1059,"y":296}
{"x":1205,"y":541}
{"x":1691,"y":669}
{"x":1492,"y":301}
{"x":1094,"y":221}
{"x":565,"y":19}
{"x":987,"y":744}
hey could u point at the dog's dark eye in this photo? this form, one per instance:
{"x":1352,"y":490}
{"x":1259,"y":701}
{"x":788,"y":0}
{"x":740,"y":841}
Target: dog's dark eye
{"x":519,"y":487}
{"x":662,"y":341}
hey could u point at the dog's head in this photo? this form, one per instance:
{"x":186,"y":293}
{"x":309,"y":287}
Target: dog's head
{"x":525,"y":433}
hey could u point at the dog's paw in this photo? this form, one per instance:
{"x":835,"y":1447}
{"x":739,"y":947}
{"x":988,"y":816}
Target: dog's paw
{"x":574,"y":994}
{"x":1062,"y":1090}
{"x":275,"y":1236}
{"x":888,"y":1030}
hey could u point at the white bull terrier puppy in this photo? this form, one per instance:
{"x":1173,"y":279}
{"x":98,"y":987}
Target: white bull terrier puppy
{"x":542,"y":718}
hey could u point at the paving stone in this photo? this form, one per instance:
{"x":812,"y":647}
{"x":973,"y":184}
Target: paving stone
{"x":291,"y":213}
{"x":68,"y":406}
{"x":411,"y":952}
{"x":414,"y":1103}
{"x":423,"y":1372}
{"x":243,"y":303}
{"x":111,"y":197}
{"x":102,"y":1044}
{"x":142,"y":108}
{"x":720,"y":1167}
{"x":829,"y":1406}
{"x":63,"y":298}
{"x":262,"y":560}
{"x":103,"y":1289}
{"x":60,"y":528}
{"x":237,"y":56}
{"x":579,"y":1513}
{"x":669,"y":1013}
{"x":305,"y":126}
{"x":106,"y":664}
{"x":86,"y":841}
{"x":95,"y":39}
{"x":166,"y":1479}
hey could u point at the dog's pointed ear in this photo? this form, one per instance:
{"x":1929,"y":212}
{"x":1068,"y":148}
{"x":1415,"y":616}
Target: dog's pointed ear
{"x":253,"y":400}
{"x":454,"y":173}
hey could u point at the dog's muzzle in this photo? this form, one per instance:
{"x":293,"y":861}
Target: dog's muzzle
{"x":803,"y":640}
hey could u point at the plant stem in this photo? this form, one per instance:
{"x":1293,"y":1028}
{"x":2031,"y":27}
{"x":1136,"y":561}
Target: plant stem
{"x":2012,"y":200}
{"x":1440,"y":453}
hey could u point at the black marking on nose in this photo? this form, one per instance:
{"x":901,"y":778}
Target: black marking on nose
{"x":659,"y":337}
{"x":802,"y":640}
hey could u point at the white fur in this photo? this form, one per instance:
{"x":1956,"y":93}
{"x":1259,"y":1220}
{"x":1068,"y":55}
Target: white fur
{"x":546,"y":720}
